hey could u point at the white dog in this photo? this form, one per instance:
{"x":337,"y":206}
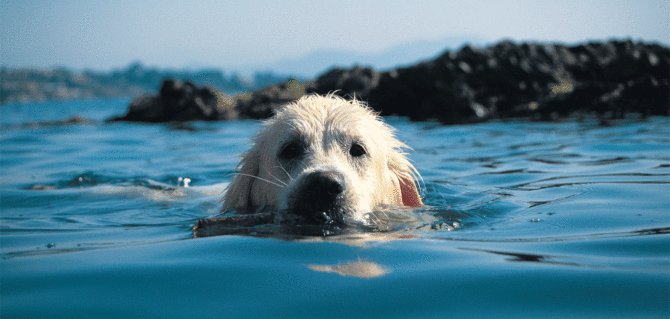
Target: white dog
{"x":323,"y":159}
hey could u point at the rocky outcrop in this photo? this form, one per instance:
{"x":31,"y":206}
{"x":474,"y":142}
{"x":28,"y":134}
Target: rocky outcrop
{"x":355,"y":82}
{"x":176,"y":102}
{"x":518,"y":80}
{"x":263,"y":103}
{"x":506,"y":80}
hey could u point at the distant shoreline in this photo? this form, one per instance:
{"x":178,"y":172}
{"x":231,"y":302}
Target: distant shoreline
{"x":27,"y":85}
{"x":540,"y":81}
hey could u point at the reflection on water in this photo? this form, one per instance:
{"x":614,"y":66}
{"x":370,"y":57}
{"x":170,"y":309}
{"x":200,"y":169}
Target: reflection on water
{"x":88,"y":208}
{"x":359,"y":268}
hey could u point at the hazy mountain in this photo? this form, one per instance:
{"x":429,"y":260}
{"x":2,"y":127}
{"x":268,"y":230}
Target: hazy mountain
{"x":136,"y":79}
{"x":30,"y":85}
{"x":316,"y":63}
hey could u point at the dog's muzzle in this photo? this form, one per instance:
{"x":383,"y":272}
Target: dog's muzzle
{"x":319,"y":198}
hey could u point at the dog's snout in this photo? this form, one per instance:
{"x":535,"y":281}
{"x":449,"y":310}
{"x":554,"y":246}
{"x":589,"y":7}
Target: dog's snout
{"x":317,"y":198}
{"x":328,"y":184}
{"x":325,"y":186}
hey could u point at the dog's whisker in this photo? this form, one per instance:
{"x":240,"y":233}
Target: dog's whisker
{"x":262,"y":179}
{"x":285,"y":171}
{"x":277,"y":179}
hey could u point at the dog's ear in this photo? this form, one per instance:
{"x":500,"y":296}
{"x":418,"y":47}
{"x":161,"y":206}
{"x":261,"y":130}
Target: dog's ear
{"x":405,"y":180}
{"x":409,"y":192}
{"x":238,"y":192}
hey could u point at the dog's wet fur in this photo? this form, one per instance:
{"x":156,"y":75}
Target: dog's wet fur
{"x":323,"y":160}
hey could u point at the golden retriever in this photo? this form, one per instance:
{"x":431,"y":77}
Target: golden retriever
{"x":323,"y":159}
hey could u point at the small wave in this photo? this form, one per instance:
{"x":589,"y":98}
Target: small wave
{"x":150,"y":188}
{"x":156,"y":191}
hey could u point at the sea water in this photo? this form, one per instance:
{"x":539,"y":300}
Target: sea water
{"x":523,"y":219}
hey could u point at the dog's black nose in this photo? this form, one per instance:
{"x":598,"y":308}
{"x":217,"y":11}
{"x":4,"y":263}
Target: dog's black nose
{"x":318,"y":195}
{"x":323,"y":187}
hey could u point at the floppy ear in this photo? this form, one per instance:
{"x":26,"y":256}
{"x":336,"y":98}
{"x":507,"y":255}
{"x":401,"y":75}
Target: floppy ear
{"x":238,"y":192}
{"x":404,"y":178}
{"x":410,"y":194}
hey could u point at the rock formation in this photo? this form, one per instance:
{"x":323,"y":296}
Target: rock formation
{"x":176,"y":102}
{"x":262,"y":103}
{"x":506,"y":80}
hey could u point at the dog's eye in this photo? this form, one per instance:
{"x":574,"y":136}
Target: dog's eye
{"x":291,"y":151}
{"x":357,"y":150}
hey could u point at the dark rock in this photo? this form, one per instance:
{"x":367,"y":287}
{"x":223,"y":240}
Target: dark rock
{"x":263,"y":103}
{"x":521,"y":80}
{"x":356,"y":82}
{"x":506,"y":80}
{"x":178,"y":102}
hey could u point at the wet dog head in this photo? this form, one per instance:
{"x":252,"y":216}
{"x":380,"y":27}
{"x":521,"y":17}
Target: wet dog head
{"x":324,"y":159}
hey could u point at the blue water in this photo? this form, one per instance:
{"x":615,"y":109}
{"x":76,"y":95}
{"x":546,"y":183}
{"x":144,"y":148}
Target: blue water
{"x":549,"y":220}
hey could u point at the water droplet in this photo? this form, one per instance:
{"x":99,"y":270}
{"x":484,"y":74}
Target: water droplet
{"x":183,"y":181}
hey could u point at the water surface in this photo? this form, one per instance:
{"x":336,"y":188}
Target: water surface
{"x":523,"y":220}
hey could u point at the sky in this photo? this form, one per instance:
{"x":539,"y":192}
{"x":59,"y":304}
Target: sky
{"x":106,"y":35}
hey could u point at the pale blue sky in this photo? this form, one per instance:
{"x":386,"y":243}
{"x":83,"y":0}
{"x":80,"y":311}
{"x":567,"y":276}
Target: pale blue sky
{"x":102,"y":35}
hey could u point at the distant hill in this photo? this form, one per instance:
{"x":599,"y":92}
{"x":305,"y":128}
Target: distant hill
{"x":317,"y":62}
{"x":31,"y":85}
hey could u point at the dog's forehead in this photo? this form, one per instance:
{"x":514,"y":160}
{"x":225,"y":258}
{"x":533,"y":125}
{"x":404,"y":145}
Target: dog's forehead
{"x":339,"y":120}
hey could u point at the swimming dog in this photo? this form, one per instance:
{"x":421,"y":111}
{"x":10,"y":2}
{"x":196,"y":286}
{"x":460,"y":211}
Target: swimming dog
{"x":324,"y":159}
